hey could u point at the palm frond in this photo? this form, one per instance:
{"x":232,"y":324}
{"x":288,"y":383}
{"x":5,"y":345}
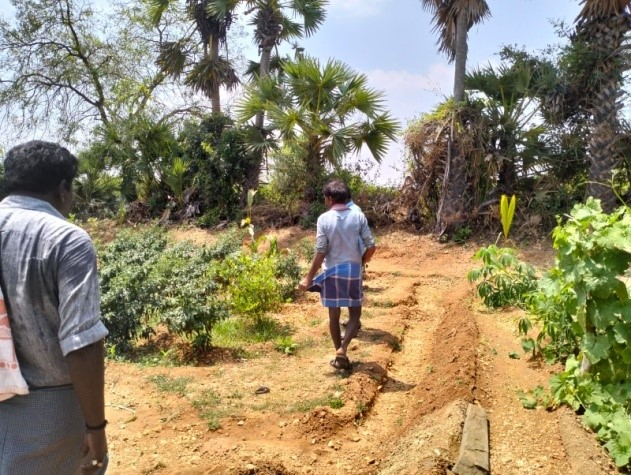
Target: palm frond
{"x":596,"y":9}
{"x":172,"y":58}
{"x":157,"y":9}
{"x":208,"y":74}
{"x":313,"y":13}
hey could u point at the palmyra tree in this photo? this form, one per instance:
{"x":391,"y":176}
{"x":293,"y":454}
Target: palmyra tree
{"x":452,"y":20}
{"x":602,"y":28}
{"x":208,"y":73}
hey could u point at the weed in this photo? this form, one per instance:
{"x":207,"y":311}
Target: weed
{"x":286,"y":344}
{"x":395,"y":344}
{"x":462,"y":235}
{"x":383,"y":304}
{"x":310,"y":404}
{"x":208,"y":409}
{"x":170,"y":385}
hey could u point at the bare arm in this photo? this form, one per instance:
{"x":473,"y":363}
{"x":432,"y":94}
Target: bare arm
{"x":305,"y":283}
{"x":87,"y":371}
{"x":368,"y":254}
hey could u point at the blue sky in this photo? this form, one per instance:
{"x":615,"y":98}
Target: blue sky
{"x":391,"y":41}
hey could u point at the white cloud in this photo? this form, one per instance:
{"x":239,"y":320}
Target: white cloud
{"x":357,"y":8}
{"x":408,"y":96}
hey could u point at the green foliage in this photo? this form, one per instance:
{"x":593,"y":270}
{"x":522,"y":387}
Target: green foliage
{"x":171,"y":385}
{"x":98,"y":60}
{"x":188,"y":305}
{"x":593,"y":253}
{"x":209,"y":407}
{"x":286,"y":345}
{"x":144,"y":283}
{"x":219,"y":160}
{"x":584,"y":309}
{"x":126,"y":291}
{"x":507,"y":211}
{"x":250,"y":283}
{"x":462,"y":234}
{"x":328,"y":110}
{"x":174,"y":176}
{"x":96,"y":187}
{"x":607,"y":407}
{"x":505,"y":279}
{"x":534,"y":398}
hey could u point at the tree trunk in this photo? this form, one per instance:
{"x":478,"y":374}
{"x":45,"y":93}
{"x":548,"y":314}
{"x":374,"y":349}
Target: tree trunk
{"x":452,"y":200}
{"x":215,"y":98}
{"x":460,"y":63}
{"x":314,"y":168}
{"x":254,"y":173}
{"x":603,"y":148}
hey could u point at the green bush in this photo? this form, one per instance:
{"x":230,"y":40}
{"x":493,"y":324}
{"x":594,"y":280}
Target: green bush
{"x":250,"y":283}
{"x":188,"y":303}
{"x":505,"y":279}
{"x":126,"y":290}
{"x":144,"y":283}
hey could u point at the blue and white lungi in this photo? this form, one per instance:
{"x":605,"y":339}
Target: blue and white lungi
{"x":340,"y":286}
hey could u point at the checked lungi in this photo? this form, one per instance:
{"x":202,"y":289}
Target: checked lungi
{"x":340,"y":286}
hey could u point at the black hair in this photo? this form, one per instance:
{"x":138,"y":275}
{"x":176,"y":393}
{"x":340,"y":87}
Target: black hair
{"x":38,"y":167}
{"x":337,"y":191}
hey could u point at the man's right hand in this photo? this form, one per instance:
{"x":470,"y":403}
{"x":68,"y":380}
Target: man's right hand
{"x":305,"y":283}
{"x":94,"y":451}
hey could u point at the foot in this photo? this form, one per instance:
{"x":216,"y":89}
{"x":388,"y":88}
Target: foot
{"x":345,"y":322}
{"x":341,"y":362}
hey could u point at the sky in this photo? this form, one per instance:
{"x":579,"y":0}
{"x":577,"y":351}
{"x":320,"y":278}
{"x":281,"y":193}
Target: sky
{"x":392,"y":42}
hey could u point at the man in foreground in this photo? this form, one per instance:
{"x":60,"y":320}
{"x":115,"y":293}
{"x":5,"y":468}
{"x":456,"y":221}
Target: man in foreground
{"x":338,"y":236}
{"x":49,"y":275}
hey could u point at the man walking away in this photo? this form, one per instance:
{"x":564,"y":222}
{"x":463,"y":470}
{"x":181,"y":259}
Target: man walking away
{"x":338,"y":236}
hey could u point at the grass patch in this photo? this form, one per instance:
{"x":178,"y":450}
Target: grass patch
{"x":331,"y":401}
{"x":235,"y":332}
{"x":209,"y":410}
{"x":383,"y":304}
{"x":170,"y":385}
{"x":286,"y":345}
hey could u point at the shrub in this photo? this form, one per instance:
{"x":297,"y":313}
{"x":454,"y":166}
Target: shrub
{"x":505,"y":279}
{"x":126,"y":290}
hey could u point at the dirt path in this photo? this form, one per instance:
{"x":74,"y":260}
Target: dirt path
{"x":425,"y":351}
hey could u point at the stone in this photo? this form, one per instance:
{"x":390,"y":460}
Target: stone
{"x":474,"y":449}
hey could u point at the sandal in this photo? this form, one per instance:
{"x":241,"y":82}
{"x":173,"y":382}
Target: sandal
{"x":341,"y":362}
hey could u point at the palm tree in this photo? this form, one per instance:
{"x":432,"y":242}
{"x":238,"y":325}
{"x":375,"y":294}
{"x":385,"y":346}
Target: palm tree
{"x":603,"y":27}
{"x":509,"y":93}
{"x":272,"y":21}
{"x":328,"y":111}
{"x":208,"y":73}
{"x":452,"y":20}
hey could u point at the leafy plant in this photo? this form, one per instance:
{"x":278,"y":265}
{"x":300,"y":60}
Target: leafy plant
{"x":584,"y":307}
{"x":462,"y":234}
{"x":286,"y":344}
{"x":507,"y":211}
{"x":505,"y":280}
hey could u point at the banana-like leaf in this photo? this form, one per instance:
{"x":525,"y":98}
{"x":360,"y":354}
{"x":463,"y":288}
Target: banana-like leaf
{"x":507,"y":211}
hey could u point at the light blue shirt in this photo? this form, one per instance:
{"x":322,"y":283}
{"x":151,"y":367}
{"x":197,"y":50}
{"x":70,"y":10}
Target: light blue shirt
{"x":51,"y":288}
{"x":339,"y":235}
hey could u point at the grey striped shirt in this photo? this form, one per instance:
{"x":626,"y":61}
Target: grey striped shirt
{"x":51,"y":288}
{"x":340,"y":234}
